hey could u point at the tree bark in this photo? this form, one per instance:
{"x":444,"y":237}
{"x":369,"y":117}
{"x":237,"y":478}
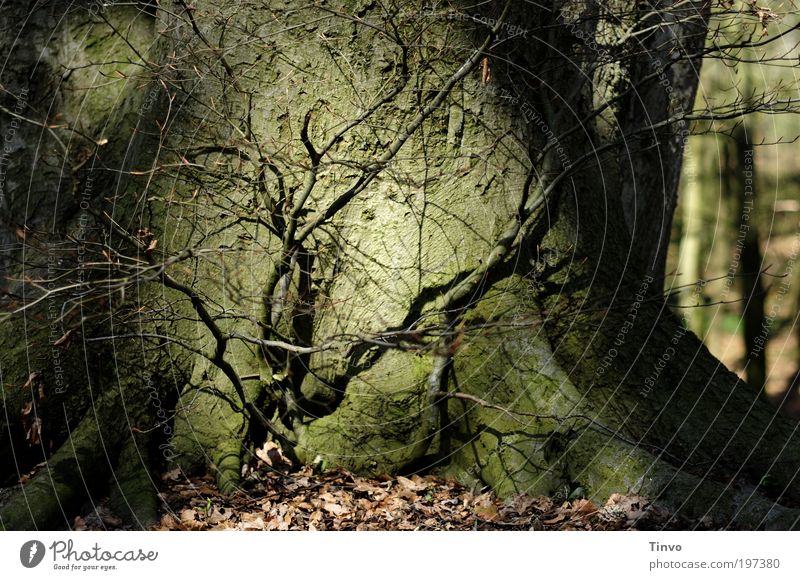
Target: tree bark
{"x":398,"y":240}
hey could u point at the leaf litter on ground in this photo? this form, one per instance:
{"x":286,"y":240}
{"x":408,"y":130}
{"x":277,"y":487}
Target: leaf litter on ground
{"x":276,"y":496}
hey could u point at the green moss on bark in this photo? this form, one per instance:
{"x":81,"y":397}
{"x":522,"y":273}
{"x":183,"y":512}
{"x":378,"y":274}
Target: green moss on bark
{"x":377,"y":426}
{"x":77,"y":470}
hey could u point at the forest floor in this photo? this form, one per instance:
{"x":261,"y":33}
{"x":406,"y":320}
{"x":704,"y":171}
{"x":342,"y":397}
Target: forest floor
{"x":338,"y":500}
{"x":277,"y":496}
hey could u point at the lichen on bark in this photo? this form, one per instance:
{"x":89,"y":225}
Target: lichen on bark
{"x":332,"y":291}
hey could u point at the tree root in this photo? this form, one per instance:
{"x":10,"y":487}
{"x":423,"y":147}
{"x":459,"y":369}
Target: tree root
{"x":96,"y":451}
{"x":605,"y":467}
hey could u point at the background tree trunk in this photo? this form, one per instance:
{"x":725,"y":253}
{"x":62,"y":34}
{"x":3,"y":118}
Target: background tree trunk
{"x":692,"y":259}
{"x":742,"y":183}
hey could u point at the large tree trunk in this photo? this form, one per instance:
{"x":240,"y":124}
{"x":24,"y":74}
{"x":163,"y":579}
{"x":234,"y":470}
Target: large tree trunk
{"x":392,"y":238}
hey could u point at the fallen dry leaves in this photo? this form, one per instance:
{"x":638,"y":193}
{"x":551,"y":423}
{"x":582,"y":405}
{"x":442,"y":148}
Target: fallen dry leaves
{"x":339,"y":500}
{"x":276,"y":497}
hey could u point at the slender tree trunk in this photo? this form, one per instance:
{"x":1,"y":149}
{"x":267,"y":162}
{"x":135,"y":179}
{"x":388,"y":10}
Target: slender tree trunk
{"x":693,"y":249}
{"x":747,"y":251}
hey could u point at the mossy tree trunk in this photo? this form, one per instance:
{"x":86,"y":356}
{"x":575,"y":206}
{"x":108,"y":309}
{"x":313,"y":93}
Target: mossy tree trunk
{"x":391,"y":237}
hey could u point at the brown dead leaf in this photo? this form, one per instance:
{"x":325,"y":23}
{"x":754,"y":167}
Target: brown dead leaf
{"x":524,"y":503}
{"x":411,"y":484}
{"x":628,"y":507}
{"x":583,"y":507}
{"x":190,"y":521}
{"x":271,"y":454}
{"x":335,"y":509}
{"x":338,"y":500}
{"x":485,"y":507}
{"x":171,"y":475}
{"x":536,"y":525}
{"x":364,"y":487}
{"x":217,"y":515}
{"x":187,"y":516}
{"x":254,"y":523}
{"x":625,"y":503}
{"x":168,"y":523}
{"x":560,"y":517}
